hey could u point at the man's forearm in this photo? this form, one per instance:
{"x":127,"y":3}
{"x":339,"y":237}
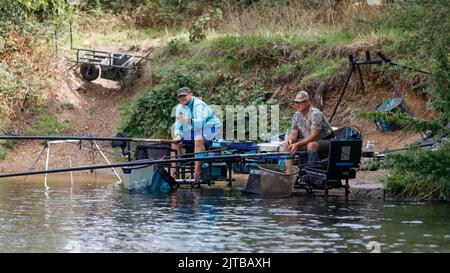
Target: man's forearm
{"x":310,"y":138}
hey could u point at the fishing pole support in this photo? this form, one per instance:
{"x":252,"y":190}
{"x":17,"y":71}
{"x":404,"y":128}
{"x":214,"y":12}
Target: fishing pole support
{"x":354,"y":65}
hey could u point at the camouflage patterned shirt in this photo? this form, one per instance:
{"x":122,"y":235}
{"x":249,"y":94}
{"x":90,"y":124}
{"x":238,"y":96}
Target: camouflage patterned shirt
{"x":314,"y":120}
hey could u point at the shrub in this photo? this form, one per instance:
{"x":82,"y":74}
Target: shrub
{"x":419,"y":173}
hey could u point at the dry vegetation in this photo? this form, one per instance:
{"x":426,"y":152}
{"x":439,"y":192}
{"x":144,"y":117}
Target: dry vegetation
{"x":296,"y":17}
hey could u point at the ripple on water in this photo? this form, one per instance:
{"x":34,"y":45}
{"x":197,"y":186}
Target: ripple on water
{"x":101,"y":219}
{"x":413,"y":222}
{"x":332,"y":235}
{"x":350,"y":225}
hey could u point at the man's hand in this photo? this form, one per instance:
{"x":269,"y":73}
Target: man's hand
{"x":184,"y":119}
{"x":288,"y":141}
{"x":177,"y":138}
{"x":293,"y":148}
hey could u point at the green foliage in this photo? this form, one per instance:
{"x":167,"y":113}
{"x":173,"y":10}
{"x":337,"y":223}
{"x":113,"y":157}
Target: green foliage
{"x":342,"y":36}
{"x":408,"y":123}
{"x":24,"y":32}
{"x":21,"y":11}
{"x":18,"y":92}
{"x":441,"y":82}
{"x":159,"y":13}
{"x":425,"y":25}
{"x":313,"y":67}
{"x":227,"y":46}
{"x":2,"y":152}
{"x":177,"y":47}
{"x":114,"y":5}
{"x":48,"y":125}
{"x":262,"y":50}
{"x":419,"y":173}
{"x":372,"y":165}
{"x":333,"y":36}
{"x":284,"y":70}
{"x":198,"y":28}
{"x":163,"y":13}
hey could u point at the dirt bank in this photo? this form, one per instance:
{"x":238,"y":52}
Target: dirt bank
{"x":89,"y":108}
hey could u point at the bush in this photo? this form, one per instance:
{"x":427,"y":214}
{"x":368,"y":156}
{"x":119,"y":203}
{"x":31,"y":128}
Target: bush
{"x":419,"y":173}
{"x":423,"y":25}
{"x":177,"y":47}
{"x":24,"y":37}
{"x":426,"y":25}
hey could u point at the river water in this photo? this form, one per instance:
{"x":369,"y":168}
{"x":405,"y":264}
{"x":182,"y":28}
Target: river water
{"x":101,"y":217}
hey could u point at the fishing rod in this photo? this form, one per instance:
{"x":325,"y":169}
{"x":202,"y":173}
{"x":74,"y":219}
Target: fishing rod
{"x":126,"y":139}
{"x":235,"y":157}
{"x":197,"y":153}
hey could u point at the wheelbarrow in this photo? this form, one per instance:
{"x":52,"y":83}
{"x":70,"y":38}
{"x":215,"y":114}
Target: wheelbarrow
{"x":107,"y":65}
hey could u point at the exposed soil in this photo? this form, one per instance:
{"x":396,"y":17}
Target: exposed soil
{"x":90,"y":108}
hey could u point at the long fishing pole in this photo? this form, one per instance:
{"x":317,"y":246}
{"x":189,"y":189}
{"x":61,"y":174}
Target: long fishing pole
{"x":89,"y":138}
{"x":197,"y":153}
{"x":235,"y":157}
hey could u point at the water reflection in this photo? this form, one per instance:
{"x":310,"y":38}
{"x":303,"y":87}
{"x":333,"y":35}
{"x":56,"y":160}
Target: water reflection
{"x":99,"y":217}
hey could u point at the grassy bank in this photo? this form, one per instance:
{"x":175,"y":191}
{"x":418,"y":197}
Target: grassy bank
{"x":235,"y":70}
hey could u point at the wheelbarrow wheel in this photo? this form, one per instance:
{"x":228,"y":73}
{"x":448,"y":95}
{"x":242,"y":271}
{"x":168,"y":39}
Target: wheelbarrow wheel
{"x":89,"y":72}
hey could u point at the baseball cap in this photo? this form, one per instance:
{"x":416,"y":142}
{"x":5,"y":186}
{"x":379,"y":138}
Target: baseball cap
{"x":183,"y":91}
{"x":301,"y":96}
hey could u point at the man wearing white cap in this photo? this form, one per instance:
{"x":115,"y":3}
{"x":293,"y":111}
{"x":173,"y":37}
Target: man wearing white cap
{"x":310,"y":130}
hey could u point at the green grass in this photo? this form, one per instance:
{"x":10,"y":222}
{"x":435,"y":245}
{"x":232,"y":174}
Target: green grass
{"x":284,"y":69}
{"x":5,"y":145}
{"x":2,"y":152}
{"x":342,"y":36}
{"x":325,"y":69}
{"x":313,"y":67}
{"x":396,"y":42}
{"x":227,"y":46}
{"x":48,"y":125}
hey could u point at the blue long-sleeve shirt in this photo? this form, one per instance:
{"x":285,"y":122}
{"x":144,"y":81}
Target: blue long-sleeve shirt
{"x":201,"y":116}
